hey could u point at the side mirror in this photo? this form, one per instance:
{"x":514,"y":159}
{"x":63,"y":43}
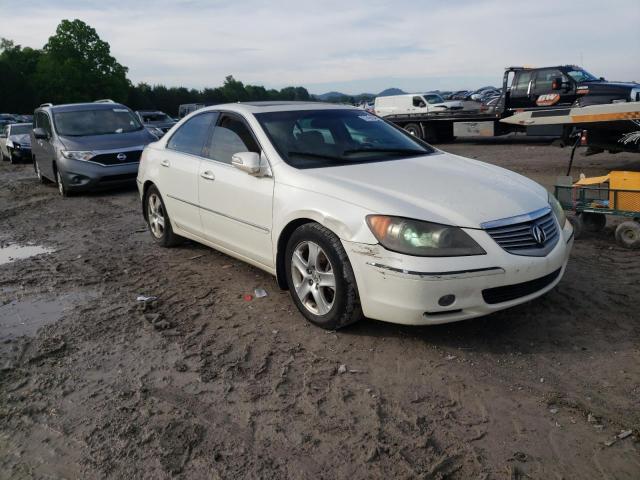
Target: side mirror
{"x":248,"y":162}
{"x":40,"y":134}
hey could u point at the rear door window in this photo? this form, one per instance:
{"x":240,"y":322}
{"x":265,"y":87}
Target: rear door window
{"x":192,"y":136}
{"x":520,"y":86}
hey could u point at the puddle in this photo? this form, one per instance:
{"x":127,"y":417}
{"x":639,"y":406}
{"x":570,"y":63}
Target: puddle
{"x":26,"y":316}
{"x":12,"y":252}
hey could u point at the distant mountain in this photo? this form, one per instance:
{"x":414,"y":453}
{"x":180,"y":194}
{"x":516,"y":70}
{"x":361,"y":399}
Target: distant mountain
{"x":344,"y":97}
{"x":391,"y":91}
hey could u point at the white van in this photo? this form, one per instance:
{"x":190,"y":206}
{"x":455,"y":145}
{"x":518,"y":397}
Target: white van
{"x":413,"y":103}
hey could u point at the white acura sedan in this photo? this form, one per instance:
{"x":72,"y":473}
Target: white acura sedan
{"x":353,"y":215}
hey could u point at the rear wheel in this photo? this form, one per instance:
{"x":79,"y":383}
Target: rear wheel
{"x":158,"y":219}
{"x":414,"y":129}
{"x":628,"y":235}
{"x":320,"y":278}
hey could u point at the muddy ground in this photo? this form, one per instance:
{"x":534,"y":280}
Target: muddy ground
{"x":203,"y":384}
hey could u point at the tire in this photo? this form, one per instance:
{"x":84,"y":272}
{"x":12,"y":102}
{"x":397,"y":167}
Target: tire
{"x":430,"y":134}
{"x":158,"y":219}
{"x":315,"y":255}
{"x":592,"y":222}
{"x":414,"y":129}
{"x":62,"y":188}
{"x":628,"y":235}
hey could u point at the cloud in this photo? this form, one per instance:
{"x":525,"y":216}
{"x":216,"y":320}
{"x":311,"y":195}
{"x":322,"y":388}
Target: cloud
{"x":337,"y":43}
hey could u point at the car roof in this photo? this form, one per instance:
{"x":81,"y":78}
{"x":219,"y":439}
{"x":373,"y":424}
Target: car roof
{"x":264,"y":107}
{"x":74,"y":107}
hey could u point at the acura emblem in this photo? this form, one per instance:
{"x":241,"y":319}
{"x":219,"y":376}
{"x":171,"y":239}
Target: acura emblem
{"x":122,"y":157}
{"x":538,"y":234}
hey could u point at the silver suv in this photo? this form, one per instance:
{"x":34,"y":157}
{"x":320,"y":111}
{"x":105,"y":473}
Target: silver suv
{"x":84,"y":146}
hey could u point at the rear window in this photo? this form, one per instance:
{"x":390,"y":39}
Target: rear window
{"x":96,"y":122}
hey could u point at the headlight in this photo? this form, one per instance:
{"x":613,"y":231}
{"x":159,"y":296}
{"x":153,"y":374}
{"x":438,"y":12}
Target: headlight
{"x":634,"y":95}
{"x":421,"y":239}
{"x":558,"y":211}
{"x":78,"y":155}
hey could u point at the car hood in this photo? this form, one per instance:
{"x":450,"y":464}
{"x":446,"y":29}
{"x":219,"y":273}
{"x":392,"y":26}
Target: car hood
{"x":22,"y":138}
{"x":441,"y":188}
{"x":603,"y":86}
{"x":113,"y":141}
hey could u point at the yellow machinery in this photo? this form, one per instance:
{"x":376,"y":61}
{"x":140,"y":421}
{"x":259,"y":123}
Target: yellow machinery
{"x":617,"y":193}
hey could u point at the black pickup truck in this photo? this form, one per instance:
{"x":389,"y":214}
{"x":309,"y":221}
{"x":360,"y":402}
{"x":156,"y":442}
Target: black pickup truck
{"x":524,"y":88}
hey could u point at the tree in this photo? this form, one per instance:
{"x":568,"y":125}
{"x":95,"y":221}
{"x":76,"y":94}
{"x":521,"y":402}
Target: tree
{"x":17,"y":68}
{"x":77,"y":66}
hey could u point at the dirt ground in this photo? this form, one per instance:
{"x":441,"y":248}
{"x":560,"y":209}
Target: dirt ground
{"x":203,"y":384}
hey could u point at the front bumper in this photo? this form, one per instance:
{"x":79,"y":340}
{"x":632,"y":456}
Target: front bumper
{"x":79,"y":175}
{"x":20,"y":153}
{"x":402,"y":289}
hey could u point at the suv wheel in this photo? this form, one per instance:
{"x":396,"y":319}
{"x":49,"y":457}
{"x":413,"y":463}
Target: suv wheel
{"x":320,"y":278}
{"x":158,"y":219}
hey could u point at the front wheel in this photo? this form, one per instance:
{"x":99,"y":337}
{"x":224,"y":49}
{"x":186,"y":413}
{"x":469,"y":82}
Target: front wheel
{"x":414,"y":129}
{"x":320,"y":278}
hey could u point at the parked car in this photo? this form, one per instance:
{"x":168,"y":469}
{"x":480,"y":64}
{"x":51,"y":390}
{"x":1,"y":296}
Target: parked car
{"x":6,"y":119}
{"x":158,"y":123}
{"x":476,"y":94}
{"x":460,"y":95}
{"x":15,"y":142}
{"x":489,"y":106}
{"x":187,"y":108}
{"x":85,"y":146}
{"x":353,"y":215}
{"x":413,"y":103}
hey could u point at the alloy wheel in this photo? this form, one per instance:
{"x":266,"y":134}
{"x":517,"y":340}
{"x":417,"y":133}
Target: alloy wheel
{"x":313,"y":278}
{"x":155,"y":213}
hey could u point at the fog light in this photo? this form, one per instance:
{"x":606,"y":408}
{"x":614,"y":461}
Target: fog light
{"x":446,"y":300}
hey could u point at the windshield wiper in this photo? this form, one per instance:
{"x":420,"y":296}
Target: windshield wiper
{"x":386,"y":150}
{"x":316,"y":155}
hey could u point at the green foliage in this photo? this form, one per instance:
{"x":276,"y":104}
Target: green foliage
{"x":76,"y":66}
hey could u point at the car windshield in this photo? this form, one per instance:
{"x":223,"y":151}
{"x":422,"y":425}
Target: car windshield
{"x":101,"y":121}
{"x":155,"y":117}
{"x":20,"y":129}
{"x":580,"y":75}
{"x":326,"y":138}
{"x":433,"y":99}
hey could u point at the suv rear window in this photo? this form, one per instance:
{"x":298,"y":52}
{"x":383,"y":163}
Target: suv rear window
{"x":102,"y":121}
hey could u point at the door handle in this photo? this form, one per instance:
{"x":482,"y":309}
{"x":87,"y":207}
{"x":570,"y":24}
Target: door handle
{"x":165,"y":163}
{"x":208,"y":175}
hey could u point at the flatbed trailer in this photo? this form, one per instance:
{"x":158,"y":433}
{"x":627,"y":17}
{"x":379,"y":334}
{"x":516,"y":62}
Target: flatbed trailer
{"x":545,"y":91}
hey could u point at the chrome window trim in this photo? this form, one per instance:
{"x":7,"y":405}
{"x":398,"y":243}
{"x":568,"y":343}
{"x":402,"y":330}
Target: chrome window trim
{"x":526,"y":217}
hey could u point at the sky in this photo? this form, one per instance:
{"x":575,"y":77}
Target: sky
{"x":352,"y":46}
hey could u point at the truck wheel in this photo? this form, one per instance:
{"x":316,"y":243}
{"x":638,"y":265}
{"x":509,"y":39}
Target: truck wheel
{"x":414,"y":129}
{"x":592,"y":222}
{"x":430,"y":134}
{"x":628,"y":235}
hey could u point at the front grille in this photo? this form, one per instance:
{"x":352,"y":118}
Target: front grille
{"x":519,"y":238}
{"x":112,"y":157}
{"x":518,"y":290}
